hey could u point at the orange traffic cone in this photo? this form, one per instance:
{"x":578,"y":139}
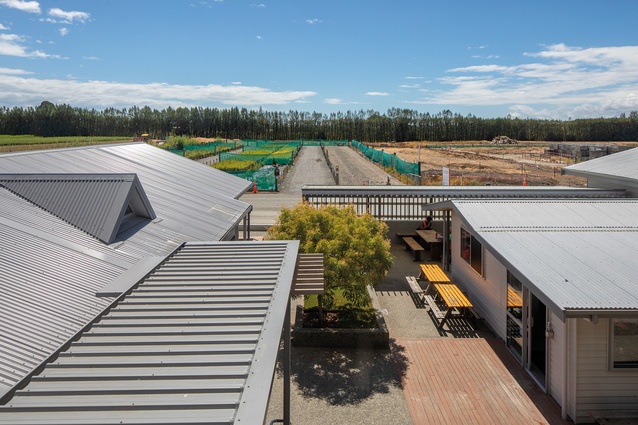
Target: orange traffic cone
{"x":525,"y":180}
{"x":255,"y":186}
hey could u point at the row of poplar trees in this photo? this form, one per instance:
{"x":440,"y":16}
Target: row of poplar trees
{"x":396,"y":124}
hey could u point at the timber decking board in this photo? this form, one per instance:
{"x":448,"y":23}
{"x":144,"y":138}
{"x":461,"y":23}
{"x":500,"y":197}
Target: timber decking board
{"x":472,"y":381}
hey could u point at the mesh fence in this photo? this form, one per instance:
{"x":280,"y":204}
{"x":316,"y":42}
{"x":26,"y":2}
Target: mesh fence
{"x":321,"y":142}
{"x":387,"y":160}
{"x":264,"y":178}
{"x":203,"y":150}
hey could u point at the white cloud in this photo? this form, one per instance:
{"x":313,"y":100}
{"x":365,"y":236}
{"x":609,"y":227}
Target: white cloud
{"x":91,"y":58}
{"x":566,"y":81}
{"x":25,"y":6}
{"x":333,"y":101}
{"x":13,"y":71}
{"x":313,"y":21}
{"x":12,"y":45}
{"x":377,"y":93}
{"x":67,"y":17}
{"x":413,"y":78}
{"x":202,"y":4}
{"x":3,"y":28}
{"x":258,"y":6}
{"x":409,"y":86}
{"x":259,"y":37}
{"x":63,"y":31}
{"x":16,"y":90}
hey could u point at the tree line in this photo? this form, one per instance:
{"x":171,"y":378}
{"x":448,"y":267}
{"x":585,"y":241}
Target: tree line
{"x":396,"y":124}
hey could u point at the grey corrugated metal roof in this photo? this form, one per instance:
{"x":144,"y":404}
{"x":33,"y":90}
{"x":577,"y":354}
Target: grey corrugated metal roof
{"x":187,"y":196}
{"x":50,"y":270}
{"x":95,"y":203}
{"x":622,"y":165}
{"x":577,"y":255}
{"x":195,"y":342}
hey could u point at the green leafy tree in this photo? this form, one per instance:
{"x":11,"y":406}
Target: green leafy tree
{"x":356,"y":248}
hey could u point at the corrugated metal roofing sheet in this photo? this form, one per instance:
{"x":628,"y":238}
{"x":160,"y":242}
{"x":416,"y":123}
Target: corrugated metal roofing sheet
{"x":95,"y":203}
{"x":580,"y":255}
{"x":621,"y":164}
{"x":188,"y":197}
{"x":50,"y":270}
{"x":188,"y":345}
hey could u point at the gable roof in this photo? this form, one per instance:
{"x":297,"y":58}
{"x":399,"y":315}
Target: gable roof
{"x":176,"y":186}
{"x":95,"y":203}
{"x":194,"y":342}
{"x":622,"y":165}
{"x":51,"y":269}
{"x":577,"y":256}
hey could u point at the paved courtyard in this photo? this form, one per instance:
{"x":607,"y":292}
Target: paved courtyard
{"x":457,"y":374}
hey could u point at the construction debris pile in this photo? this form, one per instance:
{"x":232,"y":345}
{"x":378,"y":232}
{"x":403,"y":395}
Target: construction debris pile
{"x":504,"y":140}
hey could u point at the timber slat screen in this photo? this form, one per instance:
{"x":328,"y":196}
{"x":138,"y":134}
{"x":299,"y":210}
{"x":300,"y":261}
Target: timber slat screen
{"x":398,"y":207}
{"x":393,"y":203}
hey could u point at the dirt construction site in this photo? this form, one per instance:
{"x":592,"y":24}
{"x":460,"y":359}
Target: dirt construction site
{"x":480,"y":164}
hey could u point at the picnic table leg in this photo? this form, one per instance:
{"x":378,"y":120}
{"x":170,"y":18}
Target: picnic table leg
{"x":417,"y":255}
{"x":447,"y":314}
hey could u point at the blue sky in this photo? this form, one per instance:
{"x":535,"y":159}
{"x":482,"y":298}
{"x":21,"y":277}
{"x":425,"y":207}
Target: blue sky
{"x":556,"y":59}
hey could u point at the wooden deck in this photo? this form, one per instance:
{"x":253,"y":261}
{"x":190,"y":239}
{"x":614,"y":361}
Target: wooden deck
{"x":471,"y":381}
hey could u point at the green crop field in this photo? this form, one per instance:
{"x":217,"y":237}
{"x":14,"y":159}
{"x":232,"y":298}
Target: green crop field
{"x":10,"y":143}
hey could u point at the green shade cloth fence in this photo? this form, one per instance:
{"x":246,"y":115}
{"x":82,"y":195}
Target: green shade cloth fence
{"x":387,"y":160}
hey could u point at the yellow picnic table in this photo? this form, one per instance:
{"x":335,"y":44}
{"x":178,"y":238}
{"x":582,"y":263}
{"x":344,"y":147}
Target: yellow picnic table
{"x":514,"y":299}
{"x":453,"y":299}
{"x":434,"y":274}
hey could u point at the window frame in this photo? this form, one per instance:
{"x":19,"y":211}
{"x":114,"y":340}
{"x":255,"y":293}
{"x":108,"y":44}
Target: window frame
{"x":475,"y":250}
{"x":627,"y":365}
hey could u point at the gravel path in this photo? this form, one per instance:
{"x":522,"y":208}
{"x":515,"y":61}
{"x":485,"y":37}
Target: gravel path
{"x":311,"y":168}
{"x":357,"y":170}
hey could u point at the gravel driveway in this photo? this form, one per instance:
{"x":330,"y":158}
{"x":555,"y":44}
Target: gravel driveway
{"x":357,"y":170}
{"x":310,"y":168}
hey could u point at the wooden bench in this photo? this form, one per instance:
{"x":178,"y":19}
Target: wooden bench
{"x":413,"y":246}
{"x":434,"y":308}
{"x":401,"y":235}
{"x":415,"y":287}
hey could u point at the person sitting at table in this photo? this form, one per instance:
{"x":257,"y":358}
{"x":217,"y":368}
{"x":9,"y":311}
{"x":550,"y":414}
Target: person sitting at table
{"x":426,"y":224}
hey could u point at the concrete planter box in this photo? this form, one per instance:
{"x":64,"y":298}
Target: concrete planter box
{"x":342,"y":338}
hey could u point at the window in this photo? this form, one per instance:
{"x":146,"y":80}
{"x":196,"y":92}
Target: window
{"x":625,"y":343}
{"x":515,"y":315}
{"x":471,"y":251}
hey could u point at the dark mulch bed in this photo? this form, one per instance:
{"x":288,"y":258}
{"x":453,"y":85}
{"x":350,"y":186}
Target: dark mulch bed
{"x":339,"y":319}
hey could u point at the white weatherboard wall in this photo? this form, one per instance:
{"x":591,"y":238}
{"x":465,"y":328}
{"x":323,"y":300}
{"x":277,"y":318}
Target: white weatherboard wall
{"x":556,"y":359}
{"x":599,"y":387}
{"x":488,"y":293}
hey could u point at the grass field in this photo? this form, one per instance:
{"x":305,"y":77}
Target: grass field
{"x":19,"y":143}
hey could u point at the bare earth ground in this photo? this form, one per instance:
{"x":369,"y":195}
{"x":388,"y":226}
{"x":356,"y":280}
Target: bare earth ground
{"x":481,"y":163}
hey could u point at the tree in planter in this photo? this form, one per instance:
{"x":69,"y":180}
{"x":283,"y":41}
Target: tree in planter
{"x":356,"y":248}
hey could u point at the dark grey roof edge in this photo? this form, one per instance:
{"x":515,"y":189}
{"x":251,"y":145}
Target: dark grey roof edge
{"x":253,"y":402}
{"x":131,"y":277}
